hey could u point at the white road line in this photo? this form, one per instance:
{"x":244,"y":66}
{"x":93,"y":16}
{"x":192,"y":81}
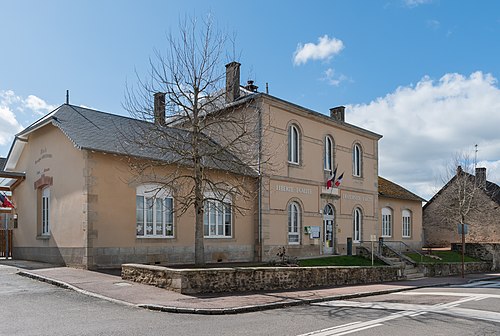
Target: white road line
{"x":481,"y":296}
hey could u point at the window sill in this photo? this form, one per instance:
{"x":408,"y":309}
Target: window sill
{"x":294,"y":164}
{"x":155,"y":237}
{"x":217,"y":237}
{"x":43,"y":237}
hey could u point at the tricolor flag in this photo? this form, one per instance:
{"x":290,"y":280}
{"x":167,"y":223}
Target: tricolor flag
{"x":329,"y":182}
{"x":339,"y":180}
{"x":4,"y":202}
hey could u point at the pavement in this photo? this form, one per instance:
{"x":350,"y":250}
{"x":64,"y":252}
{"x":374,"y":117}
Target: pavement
{"x":113,"y":288}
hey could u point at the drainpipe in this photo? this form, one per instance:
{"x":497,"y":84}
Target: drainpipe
{"x":260,"y":235}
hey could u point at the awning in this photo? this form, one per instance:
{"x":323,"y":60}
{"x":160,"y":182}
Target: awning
{"x":10,"y":180}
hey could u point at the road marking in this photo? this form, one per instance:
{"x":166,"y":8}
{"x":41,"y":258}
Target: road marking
{"x":482,"y":284}
{"x":407,"y":310}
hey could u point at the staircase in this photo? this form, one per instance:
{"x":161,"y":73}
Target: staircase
{"x":410,"y":272}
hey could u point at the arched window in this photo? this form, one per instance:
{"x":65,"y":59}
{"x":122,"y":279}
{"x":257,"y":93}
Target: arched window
{"x":386,"y":222}
{"x":328,"y":211}
{"x":154,"y":212}
{"x":293,"y":144}
{"x":328,"y":153}
{"x":293,"y":223}
{"x":357,"y":155}
{"x":357,"y":224}
{"x":406,"y":223}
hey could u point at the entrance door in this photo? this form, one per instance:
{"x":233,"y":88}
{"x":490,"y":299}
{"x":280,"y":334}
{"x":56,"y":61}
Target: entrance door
{"x":328,"y":229}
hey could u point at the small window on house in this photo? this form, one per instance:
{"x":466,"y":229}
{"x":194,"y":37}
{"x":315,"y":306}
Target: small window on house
{"x":218,"y":219}
{"x":357,"y":225}
{"x":45,"y":212}
{"x":406,"y":223}
{"x":293,"y":144}
{"x":386,"y":222}
{"x":357,"y":155}
{"x":154,"y":212}
{"x":328,"y":153}
{"x":293,"y":223}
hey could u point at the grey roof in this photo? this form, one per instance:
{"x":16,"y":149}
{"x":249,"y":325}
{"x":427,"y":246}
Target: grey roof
{"x":110,"y":133}
{"x":2,"y":163}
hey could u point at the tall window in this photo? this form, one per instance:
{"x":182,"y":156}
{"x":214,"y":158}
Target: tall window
{"x":357,"y":224}
{"x":293,"y":144}
{"x":386,"y":222}
{"x":45,"y":215}
{"x":293,"y":223}
{"x":356,"y":160}
{"x":406,"y":223}
{"x":217,"y":219}
{"x":328,"y":153}
{"x":154,"y":212}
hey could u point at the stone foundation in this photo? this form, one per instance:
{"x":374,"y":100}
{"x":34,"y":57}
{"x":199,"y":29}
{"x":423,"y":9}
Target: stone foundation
{"x":242,"y":279}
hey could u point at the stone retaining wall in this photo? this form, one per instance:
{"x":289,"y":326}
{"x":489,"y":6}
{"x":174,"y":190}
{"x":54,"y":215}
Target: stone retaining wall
{"x":489,"y":252}
{"x":241,"y":279}
{"x":442,"y":269}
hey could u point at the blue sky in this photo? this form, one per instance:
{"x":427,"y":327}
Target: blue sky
{"x":424,"y":73}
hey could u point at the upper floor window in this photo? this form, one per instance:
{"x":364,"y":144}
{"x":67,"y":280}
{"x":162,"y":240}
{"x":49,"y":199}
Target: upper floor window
{"x":217,"y":219}
{"x":357,"y":155}
{"x":154,"y":212}
{"x":386,"y":222}
{"x":293,"y":223}
{"x":406,"y":223}
{"x":293,"y":144}
{"x":328,"y":153}
{"x":357,"y":225}
{"x":45,"y":211}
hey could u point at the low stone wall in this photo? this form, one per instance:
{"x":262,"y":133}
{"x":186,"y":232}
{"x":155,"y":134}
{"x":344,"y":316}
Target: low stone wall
{"x":441,"y":269}
{"x":241,"y":279}
{"x":489,"y":252}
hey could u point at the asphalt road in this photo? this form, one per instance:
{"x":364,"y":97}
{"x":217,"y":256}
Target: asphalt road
{"x":29,"y":307}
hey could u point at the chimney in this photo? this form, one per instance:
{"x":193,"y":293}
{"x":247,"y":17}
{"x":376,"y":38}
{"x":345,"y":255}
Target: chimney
{"x":459,"y":170}
{"x":232,"y":81}
{"x":338,"y":113}
{"x":159,"y":108}
{"x":251,"y":87}
{"x":481,"y":177}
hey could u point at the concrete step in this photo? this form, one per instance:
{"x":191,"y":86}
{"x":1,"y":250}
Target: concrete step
{"x":414,"y":276}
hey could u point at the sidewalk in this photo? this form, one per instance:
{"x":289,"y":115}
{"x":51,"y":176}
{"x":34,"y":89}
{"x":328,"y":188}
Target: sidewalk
{"x":113,"y":288}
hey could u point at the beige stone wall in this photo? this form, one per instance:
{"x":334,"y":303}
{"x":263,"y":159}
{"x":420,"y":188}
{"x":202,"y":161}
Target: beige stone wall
{"x":49,"y":152}
{"x":440,"y":228}
{"x":397,"y":206}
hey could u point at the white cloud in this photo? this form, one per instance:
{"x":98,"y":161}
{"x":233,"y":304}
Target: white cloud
{"x":325,"y":49}
{"x":331,"y":78}
{"x":426,"y":124}
{"x":16,"y":111}
{"x":415,"y":3}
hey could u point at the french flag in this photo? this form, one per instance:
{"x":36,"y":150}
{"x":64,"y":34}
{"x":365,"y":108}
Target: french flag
{"x":339,"y":180}
{"x":4,"y":202}
{"x":329,"y":182}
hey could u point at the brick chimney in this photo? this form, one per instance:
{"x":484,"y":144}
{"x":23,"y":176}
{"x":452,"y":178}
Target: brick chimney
{"x":251,"y":86}
{"x":338,"y":113}
{"x":481,"y":177}
{"x":232,"y":81}
{"x":159,"y":108}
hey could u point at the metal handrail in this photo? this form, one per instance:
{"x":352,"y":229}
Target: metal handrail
{"x":407,"y":247}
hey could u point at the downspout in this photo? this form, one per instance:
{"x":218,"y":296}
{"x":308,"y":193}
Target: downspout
{"x":259,"y":205}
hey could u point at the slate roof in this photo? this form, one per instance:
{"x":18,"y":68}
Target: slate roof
{"x":390,"y":189}
{"x":104,"y":132}
{"x":2,"y":163}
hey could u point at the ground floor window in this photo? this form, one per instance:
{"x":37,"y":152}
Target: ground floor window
{"x":357,"y":224}
{"x":154,"y":212}
{"x":406,"y":224}
{"x":293,"y":223}
{"x":217,"y":219}
{"x":45,"y":211}
{"x":386,"y":222}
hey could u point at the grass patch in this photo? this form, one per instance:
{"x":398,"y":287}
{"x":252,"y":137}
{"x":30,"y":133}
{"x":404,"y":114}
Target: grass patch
{"x":445,"y":257}
{"x":339,"y":261}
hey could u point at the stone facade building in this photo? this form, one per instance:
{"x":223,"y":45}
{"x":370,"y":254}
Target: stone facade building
{"x":441,"y":216}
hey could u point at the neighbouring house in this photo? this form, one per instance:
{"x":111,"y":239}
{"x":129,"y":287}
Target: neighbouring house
{"x":316,"y":186}
{"x":441,"y":213}
{"x":401,"y":215}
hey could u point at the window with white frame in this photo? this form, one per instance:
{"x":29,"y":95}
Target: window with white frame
{"x":357,"y":224}
{"x":357,"y":155}
{"x":406,"y":223}
{"x":328,"y":153}
{"x":293,"y":144}
{"x":154,"y":212}
{"x":386,"y":222}
{"x":45,"y":215}
{"x":293,"y":223}
{"x":218,"y":219}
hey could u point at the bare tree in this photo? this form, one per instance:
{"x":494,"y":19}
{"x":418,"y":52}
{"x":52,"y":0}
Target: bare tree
{"x":202,"y":128}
